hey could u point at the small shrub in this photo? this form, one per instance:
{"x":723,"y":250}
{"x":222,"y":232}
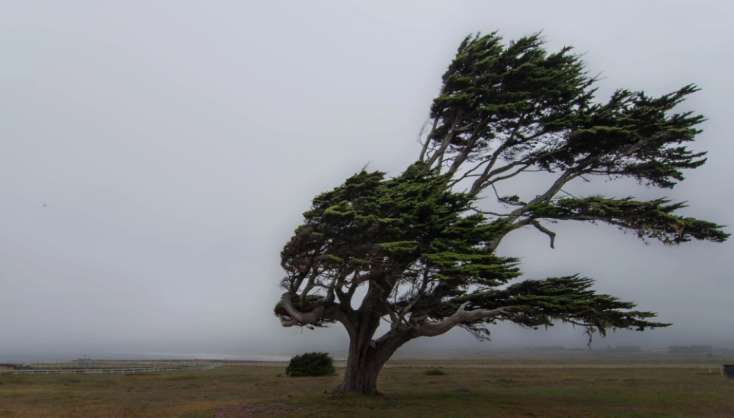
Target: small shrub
{"x":435,"y":372}
{"x":311,"y":364}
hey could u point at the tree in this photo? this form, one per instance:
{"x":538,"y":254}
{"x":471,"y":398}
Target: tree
{"x":416,"y":251}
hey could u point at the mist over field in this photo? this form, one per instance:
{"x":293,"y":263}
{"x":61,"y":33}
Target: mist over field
{"x":154,"y":158}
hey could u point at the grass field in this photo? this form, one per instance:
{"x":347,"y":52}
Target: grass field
{"x":487,"y":390}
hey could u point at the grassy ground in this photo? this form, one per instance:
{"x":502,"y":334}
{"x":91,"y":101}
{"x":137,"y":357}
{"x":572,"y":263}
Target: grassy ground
{"x":462,"y":391}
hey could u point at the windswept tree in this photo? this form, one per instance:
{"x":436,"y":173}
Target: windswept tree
{"x":417,"y":251}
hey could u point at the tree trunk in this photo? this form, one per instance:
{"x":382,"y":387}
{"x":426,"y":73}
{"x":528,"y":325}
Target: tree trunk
{"x":366,"y":355}
{"x":360,"y":375}
{"x":366,"y":359}
{"x":363,"y":365}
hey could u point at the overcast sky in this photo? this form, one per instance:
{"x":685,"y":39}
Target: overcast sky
{"x":155,"y":157}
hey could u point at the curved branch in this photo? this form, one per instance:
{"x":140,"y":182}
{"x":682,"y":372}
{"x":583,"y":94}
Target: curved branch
{"x":461,"y":316}
{"x":294,"y":317}
{"x":541,"y":228}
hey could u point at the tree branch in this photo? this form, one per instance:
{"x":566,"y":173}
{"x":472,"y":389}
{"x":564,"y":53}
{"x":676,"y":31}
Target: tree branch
{"x":439,"y":153}
{"x":541,"y":228}
{"x":296,"y":317}
{"x":431,"y":329}
{"x":424,"y":148}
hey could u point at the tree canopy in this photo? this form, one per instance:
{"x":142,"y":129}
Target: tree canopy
{"x":424,"y":254}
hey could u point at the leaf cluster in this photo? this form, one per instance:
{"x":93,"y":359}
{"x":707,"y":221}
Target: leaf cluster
{"x":655,"y":219}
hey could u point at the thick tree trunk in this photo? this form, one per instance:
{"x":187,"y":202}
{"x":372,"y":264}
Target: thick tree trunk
{"x":360,"y":375}
{"x":366,"y":355}
{"x":366,"y":359}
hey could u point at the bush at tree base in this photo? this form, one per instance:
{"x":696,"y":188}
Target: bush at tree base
{"x":311,"y":364}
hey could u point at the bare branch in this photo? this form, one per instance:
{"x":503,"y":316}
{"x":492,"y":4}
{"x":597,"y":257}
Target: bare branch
{"x":545,"y":197}
{"x":296,"y":317}
{"x":468,"y":148}
{"x":505,"y":177}
{"x":461,"y":316}
{"x":487,"y":212}
{"x":424,"y":149}
{"x":468,"y":173}
{"x":439,"y":153}
{"x":541,"y":228}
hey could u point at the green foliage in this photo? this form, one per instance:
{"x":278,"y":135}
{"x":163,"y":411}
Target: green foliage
{"x":654,"y":219}
{"x":527,"y":105}
{"x":632,"y":135}
{"x":423,"y":249}
{"x":489,"y":85}
{"x":392,"y":224}
{"x":310,"y":364}
{"x":570,"y":299}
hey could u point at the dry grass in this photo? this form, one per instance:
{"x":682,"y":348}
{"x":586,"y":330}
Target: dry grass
{"x":243,"y":391}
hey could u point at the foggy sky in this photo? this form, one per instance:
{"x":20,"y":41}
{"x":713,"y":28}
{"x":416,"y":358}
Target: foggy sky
{"x":155,"y":157}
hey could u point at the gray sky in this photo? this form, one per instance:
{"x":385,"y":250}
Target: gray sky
{"x":155,"y":157}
